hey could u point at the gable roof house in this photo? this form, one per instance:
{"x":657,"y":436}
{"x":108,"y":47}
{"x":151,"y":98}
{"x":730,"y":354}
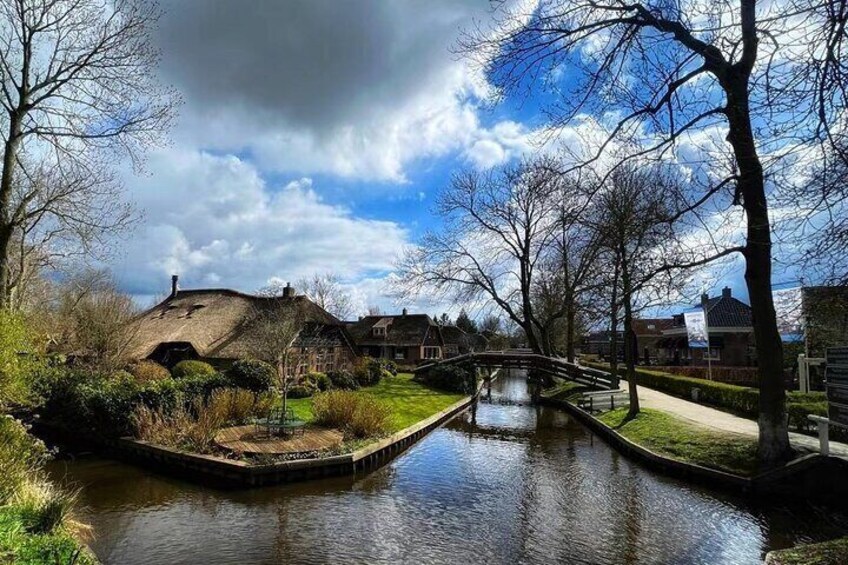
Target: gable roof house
{"x":405,"y":338}
{"x":731,"y":335}
{"x":214,"y":324}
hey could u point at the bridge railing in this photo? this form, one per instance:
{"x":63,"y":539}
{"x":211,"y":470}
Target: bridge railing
{"x":526,"y":360}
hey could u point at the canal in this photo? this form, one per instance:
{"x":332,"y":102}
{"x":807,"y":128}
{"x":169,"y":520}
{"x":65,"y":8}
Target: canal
{"x":512,"y":483}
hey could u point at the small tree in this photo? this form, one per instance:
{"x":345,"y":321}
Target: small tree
{"x":275,"y":323}
{"x":635,"y":226}
{"x":465,"y":323}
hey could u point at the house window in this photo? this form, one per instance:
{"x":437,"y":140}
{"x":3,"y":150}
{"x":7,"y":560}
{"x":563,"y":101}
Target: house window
{"x":432,"y":352}
{"x":652,"y":327}
{"x":713,"y":354}
{"x":381,"y":331}
{"x":400,"y":353}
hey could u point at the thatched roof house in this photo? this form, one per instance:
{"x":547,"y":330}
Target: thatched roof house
{"x":215,"y":324}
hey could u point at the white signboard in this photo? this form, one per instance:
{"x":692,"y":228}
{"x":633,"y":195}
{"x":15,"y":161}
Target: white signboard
{"x":696,"y":329}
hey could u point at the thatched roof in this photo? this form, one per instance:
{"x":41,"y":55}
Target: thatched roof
{"x":216,"y":321}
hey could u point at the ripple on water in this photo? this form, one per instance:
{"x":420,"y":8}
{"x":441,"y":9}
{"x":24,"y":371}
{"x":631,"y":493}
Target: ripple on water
{"x":512,"y":484}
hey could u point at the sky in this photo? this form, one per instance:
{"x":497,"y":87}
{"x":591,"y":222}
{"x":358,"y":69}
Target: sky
{"x":313,"y":137}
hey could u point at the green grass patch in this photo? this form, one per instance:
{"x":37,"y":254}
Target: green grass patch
{"x":24,"y":548}
{"x":409,"y":401}
{"x":827,"y":553}
{"x":563,"y":390}
{"x":673,"y":437}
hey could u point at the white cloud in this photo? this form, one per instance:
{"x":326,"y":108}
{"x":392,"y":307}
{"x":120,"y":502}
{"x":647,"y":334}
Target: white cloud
{"x":216,"y":222}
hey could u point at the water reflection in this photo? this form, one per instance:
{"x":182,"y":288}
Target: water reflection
{"x":512,"y":483}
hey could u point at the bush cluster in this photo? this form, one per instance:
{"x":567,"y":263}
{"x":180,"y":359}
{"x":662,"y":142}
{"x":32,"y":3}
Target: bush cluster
{"x":369,"y":371}
{"x":451,"y":378}
{"x":193,"y":427}
{"x":252,"y":374}
{"x":319,"y":381}
{"x":103,"y":405}
{"x":191,"y":368}
{"x":343,"y":380}
{"x":34,"y":513}
{"x":146,"y":370}
{"x":358,"y":415}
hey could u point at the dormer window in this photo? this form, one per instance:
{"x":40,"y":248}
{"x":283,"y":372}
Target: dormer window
{"x":652,"y":326}
{"x":380,"y":331}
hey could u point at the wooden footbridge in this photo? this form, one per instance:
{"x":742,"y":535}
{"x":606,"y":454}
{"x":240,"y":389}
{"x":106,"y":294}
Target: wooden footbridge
{"x":524,"y":359}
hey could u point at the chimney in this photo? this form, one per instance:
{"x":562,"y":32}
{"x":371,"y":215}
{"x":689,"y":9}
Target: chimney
{"x":288,"y":291}
{"x":174,"y":286}
{"x":705,"y":298}
{"x":726,"y":292}
{"x":403,"y":312}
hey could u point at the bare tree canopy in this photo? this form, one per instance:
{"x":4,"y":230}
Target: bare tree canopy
{"x":78,"y":89}
{"x":326,"y":290}
{"x":497,"y":229}
{"x":766,"y":78}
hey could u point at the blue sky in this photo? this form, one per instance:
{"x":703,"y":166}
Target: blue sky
{"x":313,"y":137}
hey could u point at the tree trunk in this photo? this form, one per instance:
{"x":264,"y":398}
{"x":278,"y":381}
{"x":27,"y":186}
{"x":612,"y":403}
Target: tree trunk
{"x":774,"y":434}
{"x":614,"y":324}
{"x":6,"y":219}
{"x":630,"y":352}
{"x":570,"y":315}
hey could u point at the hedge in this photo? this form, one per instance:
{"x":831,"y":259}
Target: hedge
{"x":739,"y":399}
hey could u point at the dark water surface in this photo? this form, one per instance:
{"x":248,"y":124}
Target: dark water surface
{"x":512,"y":484}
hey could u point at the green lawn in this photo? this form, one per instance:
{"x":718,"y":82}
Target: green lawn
{"x":667,"y":435}
{"x":826,"y":553}
{"x":410,"y":401}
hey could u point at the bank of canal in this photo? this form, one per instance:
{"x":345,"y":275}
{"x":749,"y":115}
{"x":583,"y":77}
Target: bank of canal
{"x":509,"y":483}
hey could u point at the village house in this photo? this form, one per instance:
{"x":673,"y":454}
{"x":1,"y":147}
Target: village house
{"x":649,"y":334}
{"x":410,"y":338}
{"x":731,"y":336}
{"x":213,"y":325}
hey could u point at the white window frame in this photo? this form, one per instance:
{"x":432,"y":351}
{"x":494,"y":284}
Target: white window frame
{"x":430,"y":349}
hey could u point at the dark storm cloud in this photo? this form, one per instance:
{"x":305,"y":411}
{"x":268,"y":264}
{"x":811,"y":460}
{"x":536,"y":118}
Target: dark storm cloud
{"x":314,"y":65}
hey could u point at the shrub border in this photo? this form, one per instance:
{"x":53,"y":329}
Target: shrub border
{"x":228,"y":472}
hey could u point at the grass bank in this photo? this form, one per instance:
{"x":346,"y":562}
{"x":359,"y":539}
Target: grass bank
{"x":673,"y":437}
{"x":739,"y":400}
{"x":21,"y":546}
{"x":827,"y":553}
{"x":408,"y":400}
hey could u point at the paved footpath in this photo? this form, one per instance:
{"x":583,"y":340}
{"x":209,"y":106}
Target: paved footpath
{"x":712,"y":418}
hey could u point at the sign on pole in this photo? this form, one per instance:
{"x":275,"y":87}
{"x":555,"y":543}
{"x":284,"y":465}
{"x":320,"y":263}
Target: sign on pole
{"x":696,"y":329}
{"x":836,"y":376}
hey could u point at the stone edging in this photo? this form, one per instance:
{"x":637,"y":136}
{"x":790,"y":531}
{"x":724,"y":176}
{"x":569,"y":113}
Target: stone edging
{"x":226,"y":471}
{"x":780,"y":479}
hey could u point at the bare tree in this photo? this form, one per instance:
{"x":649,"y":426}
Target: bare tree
{"x":326,"y":290}
{"x":78,"y":87}
{"x":275,"y":324}
{"x":635,"y":226}
{"x":91,"y":320}
{"x":770,"y":75}
{"x":375,"y":310}
{"x":497,"y":227}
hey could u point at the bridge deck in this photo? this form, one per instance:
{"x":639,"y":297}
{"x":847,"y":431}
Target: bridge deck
{"x":526,"y":360}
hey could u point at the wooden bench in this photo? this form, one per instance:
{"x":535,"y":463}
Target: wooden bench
{"x":603,"y":400}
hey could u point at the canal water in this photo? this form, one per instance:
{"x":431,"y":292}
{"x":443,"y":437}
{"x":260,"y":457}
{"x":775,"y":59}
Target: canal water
{"x":511,"y":483}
